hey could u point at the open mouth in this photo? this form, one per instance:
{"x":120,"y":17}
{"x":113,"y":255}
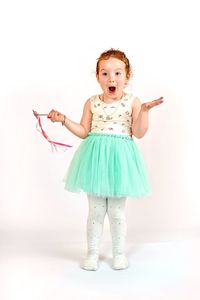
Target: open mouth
{"x":112,"y":89}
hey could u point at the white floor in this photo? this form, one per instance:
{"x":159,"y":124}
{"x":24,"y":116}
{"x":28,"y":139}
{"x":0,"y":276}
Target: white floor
{"x":45,"y":265}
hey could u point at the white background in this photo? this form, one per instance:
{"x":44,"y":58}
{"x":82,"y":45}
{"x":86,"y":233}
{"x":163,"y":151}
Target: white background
{"x":48,"y":57}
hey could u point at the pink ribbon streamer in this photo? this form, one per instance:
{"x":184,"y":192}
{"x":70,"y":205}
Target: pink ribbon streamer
{"x":53,"y":143}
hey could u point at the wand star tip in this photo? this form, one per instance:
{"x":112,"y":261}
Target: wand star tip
{"x":34,"y":112}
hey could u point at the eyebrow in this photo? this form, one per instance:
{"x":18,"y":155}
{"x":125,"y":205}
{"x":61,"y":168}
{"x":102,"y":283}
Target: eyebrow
{"x":115,"y":69}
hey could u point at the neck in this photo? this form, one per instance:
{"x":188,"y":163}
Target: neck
{"x":110,"y":100}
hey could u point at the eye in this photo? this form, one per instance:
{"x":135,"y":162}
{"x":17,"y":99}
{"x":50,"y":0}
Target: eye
{"x":104,"y":73}
{"x":118,"y":73}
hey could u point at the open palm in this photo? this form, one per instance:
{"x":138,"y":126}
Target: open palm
{"x":148,"y":105}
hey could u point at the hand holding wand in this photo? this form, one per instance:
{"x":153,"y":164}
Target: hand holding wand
{"x":41,"y":130}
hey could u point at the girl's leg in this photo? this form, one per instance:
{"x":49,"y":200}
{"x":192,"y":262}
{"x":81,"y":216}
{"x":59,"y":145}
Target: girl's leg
{"x":95,"y":221}
{"x":118,"y":228}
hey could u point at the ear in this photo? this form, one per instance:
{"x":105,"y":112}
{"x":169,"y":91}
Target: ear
{"x":127,"y":80}
{"x":97,"y":77}
{"x":128,"y":77}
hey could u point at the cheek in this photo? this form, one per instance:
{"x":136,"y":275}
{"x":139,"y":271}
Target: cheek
{"x":102,"y":80}
{"x":122,"y":81}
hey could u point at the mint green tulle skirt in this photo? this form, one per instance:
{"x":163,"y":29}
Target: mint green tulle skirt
{"x":108,"y":165}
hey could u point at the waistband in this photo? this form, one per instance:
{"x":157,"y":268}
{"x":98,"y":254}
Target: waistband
{"x":113,"y":135}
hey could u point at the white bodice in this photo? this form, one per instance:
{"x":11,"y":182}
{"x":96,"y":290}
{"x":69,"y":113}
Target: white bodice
{"x":113,"y":117}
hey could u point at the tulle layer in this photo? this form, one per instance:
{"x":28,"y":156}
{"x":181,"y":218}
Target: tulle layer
{"x":108,"y":165}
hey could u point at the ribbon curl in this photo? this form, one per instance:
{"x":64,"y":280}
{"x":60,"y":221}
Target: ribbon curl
{"x":41,"y":130}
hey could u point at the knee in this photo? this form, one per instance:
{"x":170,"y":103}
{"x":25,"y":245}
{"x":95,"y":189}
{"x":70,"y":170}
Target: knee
{"x":116,"y":209}
{"x":97,"y":209}
{"x":116,"y":215}
{"x":97,"y":214}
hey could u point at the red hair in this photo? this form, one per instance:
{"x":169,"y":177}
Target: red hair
{"x":116,"y":54}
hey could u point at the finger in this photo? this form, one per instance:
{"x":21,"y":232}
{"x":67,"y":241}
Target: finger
{"x":159,"y":102}
{"x":152,"y":104}
{"x":155,"y":103}
{"x":54,"y":114}
{"x":160,"y":99}
{"x":50,"y":113}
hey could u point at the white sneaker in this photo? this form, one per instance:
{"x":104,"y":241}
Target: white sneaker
{"x":90,"y":263}
{"x":120,"y":262}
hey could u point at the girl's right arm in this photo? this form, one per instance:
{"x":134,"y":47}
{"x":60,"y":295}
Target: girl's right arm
{"x":79,"y":129}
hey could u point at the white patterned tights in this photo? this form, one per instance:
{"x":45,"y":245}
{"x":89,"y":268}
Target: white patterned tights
{"x":115,"y":208}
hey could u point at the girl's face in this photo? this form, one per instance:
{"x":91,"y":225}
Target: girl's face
{"x":112,"y":78}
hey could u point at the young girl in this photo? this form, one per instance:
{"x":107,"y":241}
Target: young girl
{"x":108,"y":165}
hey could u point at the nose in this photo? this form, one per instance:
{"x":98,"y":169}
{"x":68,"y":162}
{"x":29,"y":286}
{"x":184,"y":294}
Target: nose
{"x":111,"y":78}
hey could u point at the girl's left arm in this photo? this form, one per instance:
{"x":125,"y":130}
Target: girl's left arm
{"x":140,"y":116}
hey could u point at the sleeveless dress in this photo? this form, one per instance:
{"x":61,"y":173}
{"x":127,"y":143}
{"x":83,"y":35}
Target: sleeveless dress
{"x":108,"y":163}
